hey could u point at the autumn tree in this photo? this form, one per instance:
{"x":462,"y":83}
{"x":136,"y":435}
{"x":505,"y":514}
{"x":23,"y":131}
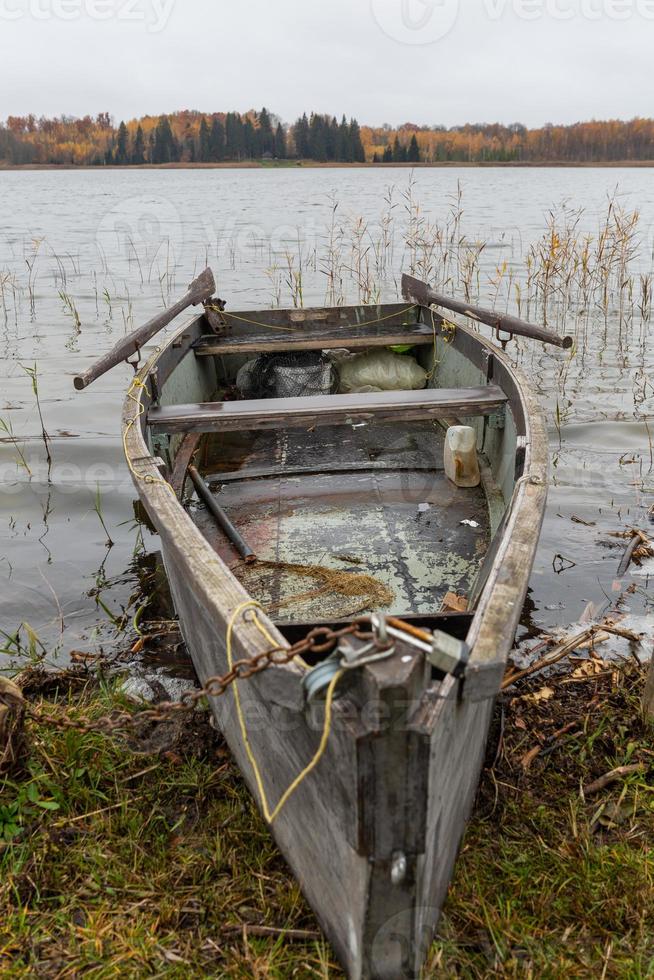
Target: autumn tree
{"x":94,"y":141}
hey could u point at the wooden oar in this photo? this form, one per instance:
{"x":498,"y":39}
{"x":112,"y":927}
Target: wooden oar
{"x":201,"y":290}
{"x":420,"y":292}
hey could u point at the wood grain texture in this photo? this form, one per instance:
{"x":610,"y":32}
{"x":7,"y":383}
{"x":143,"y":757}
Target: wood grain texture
{"x":328,"y":338}
{"x":419,"y":292}
{"x":276,"y":413}
{"x":378,"y":930}
{"x":199,"y":290}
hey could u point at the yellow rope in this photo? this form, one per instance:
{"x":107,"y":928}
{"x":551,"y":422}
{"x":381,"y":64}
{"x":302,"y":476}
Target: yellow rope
{"x":269,"y":816}
{"x":448,"y":333}
{"x":137,"y":383}
{"x":277,"y":326}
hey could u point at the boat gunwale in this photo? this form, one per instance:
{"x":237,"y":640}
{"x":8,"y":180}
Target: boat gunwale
{"x":500,"y":603}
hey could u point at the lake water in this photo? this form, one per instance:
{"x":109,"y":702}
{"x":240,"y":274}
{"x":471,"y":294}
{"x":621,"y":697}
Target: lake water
{"x":87,"y":255}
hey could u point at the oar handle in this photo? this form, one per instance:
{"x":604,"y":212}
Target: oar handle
{"x":414,"y":289}
{"x":200,"y":290}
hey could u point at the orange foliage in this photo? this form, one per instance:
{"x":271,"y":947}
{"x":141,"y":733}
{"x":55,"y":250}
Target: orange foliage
{"x":93,"y":141}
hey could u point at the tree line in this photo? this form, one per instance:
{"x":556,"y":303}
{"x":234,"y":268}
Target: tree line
{"x":184,"y":137}
{"x":194,"y":137}
{"x":610,"y":141}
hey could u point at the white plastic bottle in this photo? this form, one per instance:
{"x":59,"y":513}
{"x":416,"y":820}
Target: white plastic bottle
{"x":461,"y":462}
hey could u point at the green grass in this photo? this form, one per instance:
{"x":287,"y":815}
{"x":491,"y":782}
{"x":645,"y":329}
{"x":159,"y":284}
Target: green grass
{"x":549,"y":883}
{"x":146,"y":865}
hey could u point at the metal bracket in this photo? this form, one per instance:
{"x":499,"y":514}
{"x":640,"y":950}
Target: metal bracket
{"x":504,"y":341}
{"x":497,"y":420}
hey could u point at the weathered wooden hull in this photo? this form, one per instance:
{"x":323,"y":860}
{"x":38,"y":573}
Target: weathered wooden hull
{"x":373,"y":834}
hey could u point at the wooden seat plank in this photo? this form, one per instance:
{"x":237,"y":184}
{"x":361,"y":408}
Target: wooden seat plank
{"x":280,"y":413}
{"x":325,"y":338}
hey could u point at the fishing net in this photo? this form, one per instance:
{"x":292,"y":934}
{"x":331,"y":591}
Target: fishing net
{"x":351,"y":585}
{"x":294,"y":375}
{"x":327,"y":592}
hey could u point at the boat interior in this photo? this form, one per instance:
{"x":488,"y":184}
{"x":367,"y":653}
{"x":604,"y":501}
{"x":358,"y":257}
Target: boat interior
{"x":344,"y":499}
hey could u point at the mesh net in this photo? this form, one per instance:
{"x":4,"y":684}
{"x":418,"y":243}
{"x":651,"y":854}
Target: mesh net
{"x":293,"y":375}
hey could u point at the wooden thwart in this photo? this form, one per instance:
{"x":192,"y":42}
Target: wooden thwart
{"x":275,"y":413}
{"x":325,"y":338}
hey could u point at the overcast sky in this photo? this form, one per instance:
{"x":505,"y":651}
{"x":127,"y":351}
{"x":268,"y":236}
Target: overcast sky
{"x":425,"y":61}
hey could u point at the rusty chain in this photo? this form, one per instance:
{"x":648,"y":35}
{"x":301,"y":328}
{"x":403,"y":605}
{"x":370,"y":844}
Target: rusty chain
{"x":319,"y":641}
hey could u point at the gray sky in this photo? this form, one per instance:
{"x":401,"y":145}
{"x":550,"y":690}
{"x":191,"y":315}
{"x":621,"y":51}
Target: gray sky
{"x":425,"y":61}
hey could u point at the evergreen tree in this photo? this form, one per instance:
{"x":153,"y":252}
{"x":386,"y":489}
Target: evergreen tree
{"x":138,"y":149}
{"x":165,"y":145}
{"x":388,"y":154}
{"x":345,"y":142}
{"x":121,"y":156}
{"x":280,"y":143}
{"x":301,"y":138}
{"x":399,"y":151}
{"x":217,"y":141}
{"x":234,"y":137}
{"x":151,"y":146}
{"x":266,"y":137}
{"x":375,"y":158}
{"x":332,"y":139}
{"x":251,"y":142}
{"x":413,"y":153}
{"x":317,"y":138}
{"x":205,"y":142}
{"x":358,"y":152}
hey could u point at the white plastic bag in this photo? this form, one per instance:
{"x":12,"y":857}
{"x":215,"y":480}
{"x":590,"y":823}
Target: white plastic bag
{"x":380,"y":370}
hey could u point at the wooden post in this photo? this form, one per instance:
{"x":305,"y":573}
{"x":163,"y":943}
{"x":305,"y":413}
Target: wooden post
{"x":12,"y":740}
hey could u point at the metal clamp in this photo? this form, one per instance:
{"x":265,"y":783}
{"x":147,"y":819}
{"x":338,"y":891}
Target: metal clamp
{"x":352,"y":659}
{"x":446,"y":654}
{"x":347,"y":657}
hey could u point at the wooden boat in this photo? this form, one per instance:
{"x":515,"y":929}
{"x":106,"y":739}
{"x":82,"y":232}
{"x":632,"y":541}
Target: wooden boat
{"x":355,"y":482}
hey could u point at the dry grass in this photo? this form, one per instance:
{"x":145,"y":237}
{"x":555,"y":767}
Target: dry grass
{"x":151,"y":865}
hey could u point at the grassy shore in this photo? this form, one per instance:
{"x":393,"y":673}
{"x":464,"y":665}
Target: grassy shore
{"x":150,"y":858}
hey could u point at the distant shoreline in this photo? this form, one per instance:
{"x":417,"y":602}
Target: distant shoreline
{"x":314,"y":165}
